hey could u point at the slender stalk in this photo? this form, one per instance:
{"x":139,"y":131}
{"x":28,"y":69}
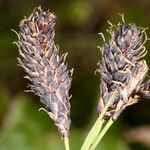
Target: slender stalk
{"x":94,"y":132}
{"x":102,"y":133}
{"x":66,"y":142}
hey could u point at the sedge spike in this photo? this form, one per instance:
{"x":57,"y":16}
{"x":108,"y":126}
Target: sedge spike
{"x":122,"y":66}
{"x":45,"y":67}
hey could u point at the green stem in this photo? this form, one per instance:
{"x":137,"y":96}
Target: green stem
{"x":66,"y":142}
{"x":102,"y":133}
{"x":94,"y":132}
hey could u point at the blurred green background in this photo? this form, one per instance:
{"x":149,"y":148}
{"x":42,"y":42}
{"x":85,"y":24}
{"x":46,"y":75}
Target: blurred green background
{"x":22,"y":127}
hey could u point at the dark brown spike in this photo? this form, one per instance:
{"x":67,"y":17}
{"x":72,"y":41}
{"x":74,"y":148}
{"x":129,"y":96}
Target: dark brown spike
{"x":121,"y":67}
{"x":46,"y":70}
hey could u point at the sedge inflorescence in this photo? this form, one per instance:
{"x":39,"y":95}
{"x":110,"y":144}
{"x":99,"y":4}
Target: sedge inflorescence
{"x":122,"y":68}
{"x":45,"y":67}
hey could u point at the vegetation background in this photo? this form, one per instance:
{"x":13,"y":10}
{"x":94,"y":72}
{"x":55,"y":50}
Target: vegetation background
{"x":22,"y":127}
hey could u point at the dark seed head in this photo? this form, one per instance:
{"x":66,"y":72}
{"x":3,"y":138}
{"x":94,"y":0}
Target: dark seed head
{"x":46,"y":69}
{"x":121,"y":68}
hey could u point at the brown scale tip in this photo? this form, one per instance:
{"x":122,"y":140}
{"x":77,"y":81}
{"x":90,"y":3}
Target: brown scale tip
{"x":143,"y":91}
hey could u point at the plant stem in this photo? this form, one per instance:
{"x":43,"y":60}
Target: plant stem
{"x":66,"y":142}
{"x":102,"y":133}
{"x":94,"y":132}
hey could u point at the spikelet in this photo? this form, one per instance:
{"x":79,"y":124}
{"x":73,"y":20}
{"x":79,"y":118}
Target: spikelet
{"x":121,"y":67}
{"x":45,"y":69}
